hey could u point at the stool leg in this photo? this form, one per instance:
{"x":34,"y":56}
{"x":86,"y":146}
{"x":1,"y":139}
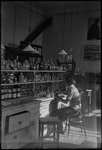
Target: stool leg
{"x":54,"y":133}
{"x":84,"y":128}
{"x":65,"y":126}
{"x":69,"y":127}
{"x":81,"y":126}
{"x":42,"y":132}
{"x":57,"y":135}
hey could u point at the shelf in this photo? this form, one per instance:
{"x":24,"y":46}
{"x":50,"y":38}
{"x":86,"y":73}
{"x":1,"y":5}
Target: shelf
{"x":49,"y":81}
{"x":32,"y":71}
{"x":65,"y":63}
{"x":7,"y":84}
{"x":17,"y":70}
{"x":49,"y":71}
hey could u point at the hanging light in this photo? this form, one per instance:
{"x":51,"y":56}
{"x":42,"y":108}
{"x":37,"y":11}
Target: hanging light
{"x":2,"y":46}
{"x":71,"y":48}
{"x":29,"y":48}
{"x":63,"y":53}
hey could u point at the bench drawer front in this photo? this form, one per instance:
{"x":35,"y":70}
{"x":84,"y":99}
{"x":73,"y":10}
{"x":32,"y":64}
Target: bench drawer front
{"x":19,"y":121}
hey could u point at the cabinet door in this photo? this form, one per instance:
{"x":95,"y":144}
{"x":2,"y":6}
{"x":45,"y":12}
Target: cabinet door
{"x":33,"y":132}
{"x":34,"y":114}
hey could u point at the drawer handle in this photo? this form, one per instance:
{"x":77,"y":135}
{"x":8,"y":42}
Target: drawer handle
{"x":15,"y":137}
{"x":20,"y":122}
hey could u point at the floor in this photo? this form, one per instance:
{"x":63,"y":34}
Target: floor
{"x":77,"y":139}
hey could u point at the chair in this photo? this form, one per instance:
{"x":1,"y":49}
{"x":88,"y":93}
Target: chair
{"x":80,"y":119}
{"x":48,"y":121}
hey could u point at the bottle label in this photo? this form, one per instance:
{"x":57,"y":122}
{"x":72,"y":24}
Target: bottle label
{"x":5,"y":96}
{"x":2,"y":97}
{"x":9,"y":95}
{"x":18,"y":94}
{"x":14,"y":95}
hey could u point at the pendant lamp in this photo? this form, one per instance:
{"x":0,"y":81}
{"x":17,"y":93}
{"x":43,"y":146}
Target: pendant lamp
{"x":63,"y":53}
{"x":71,"y":48}
{"x":29,"y":48}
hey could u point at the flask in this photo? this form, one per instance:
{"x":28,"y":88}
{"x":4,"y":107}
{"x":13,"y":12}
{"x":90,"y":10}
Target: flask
{"x":5,"y":93}
{"x":3,"y":64}
{"x":9,"y":93}
{"x":18,"y":92}
{"x":2,"y":94}
{"x":14,"y":93}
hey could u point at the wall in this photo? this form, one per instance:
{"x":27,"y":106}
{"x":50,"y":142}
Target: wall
{"x":15,"y":28}
{"x":75,"y":32}
{"x":75,"y":36}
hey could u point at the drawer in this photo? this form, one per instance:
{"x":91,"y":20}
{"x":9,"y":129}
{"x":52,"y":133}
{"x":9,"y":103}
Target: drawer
{"x":14,"y":139}
{"x":19,"y":121}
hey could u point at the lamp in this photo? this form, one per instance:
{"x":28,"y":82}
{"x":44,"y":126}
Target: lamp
{"x":71,"y":48}
{"x":63,"y":53}
{"x":29,"y":48}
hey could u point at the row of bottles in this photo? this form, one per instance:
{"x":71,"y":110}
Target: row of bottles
{"x":30,"y":64}
{"x":48,"y":77}
{"x":48,"y":90}
{"x":12,"y":92}
{"x":10,"y":77}
{"x":41,"y":90}
{"x":9,"y":93}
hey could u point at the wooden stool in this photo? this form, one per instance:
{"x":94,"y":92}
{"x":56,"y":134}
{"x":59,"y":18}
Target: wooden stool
{"x":48,"y":121}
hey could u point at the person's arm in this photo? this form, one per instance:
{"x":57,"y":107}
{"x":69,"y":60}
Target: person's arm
{"x":61,"y":99}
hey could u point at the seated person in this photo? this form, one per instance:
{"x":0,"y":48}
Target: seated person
{"x":73,"y":98}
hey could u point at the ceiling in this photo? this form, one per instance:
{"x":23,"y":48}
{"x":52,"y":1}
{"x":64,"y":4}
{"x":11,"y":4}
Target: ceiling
{"x":57,"y":7}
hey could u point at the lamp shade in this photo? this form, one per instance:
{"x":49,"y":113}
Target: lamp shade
{"x":62,"y":52}
{"x":2,"y":47}
{"x":30,"y":49}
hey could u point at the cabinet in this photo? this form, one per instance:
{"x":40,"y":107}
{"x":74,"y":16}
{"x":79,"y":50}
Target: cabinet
{"x":19,"y":124}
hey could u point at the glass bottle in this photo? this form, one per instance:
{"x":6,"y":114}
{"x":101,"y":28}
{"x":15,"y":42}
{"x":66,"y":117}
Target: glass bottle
{"x":14,"y":93}
{"x":48,"y":65}
{"x":24,"y":66}
{"x":41,"y":65}
{"x":3,"y":64}
{"x":2,"y":93}
{"x":5,"y":93}
{"x":18,"y":92}
{"x":9,"y":93}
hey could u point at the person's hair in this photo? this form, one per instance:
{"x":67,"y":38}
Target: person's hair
{"x":70,"y":80}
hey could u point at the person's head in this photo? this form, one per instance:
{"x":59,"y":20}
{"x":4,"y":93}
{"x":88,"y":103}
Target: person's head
{"x":69,"y":80}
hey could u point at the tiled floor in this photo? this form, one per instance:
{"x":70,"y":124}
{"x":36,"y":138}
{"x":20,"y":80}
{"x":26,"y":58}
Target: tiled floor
{"x":77,"y":139}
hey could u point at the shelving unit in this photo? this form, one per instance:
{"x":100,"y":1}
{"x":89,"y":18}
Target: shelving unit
{"x":19,"y":122}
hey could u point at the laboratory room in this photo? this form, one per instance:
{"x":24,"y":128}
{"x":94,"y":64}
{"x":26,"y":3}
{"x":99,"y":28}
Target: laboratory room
{"x":50,"y":74}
